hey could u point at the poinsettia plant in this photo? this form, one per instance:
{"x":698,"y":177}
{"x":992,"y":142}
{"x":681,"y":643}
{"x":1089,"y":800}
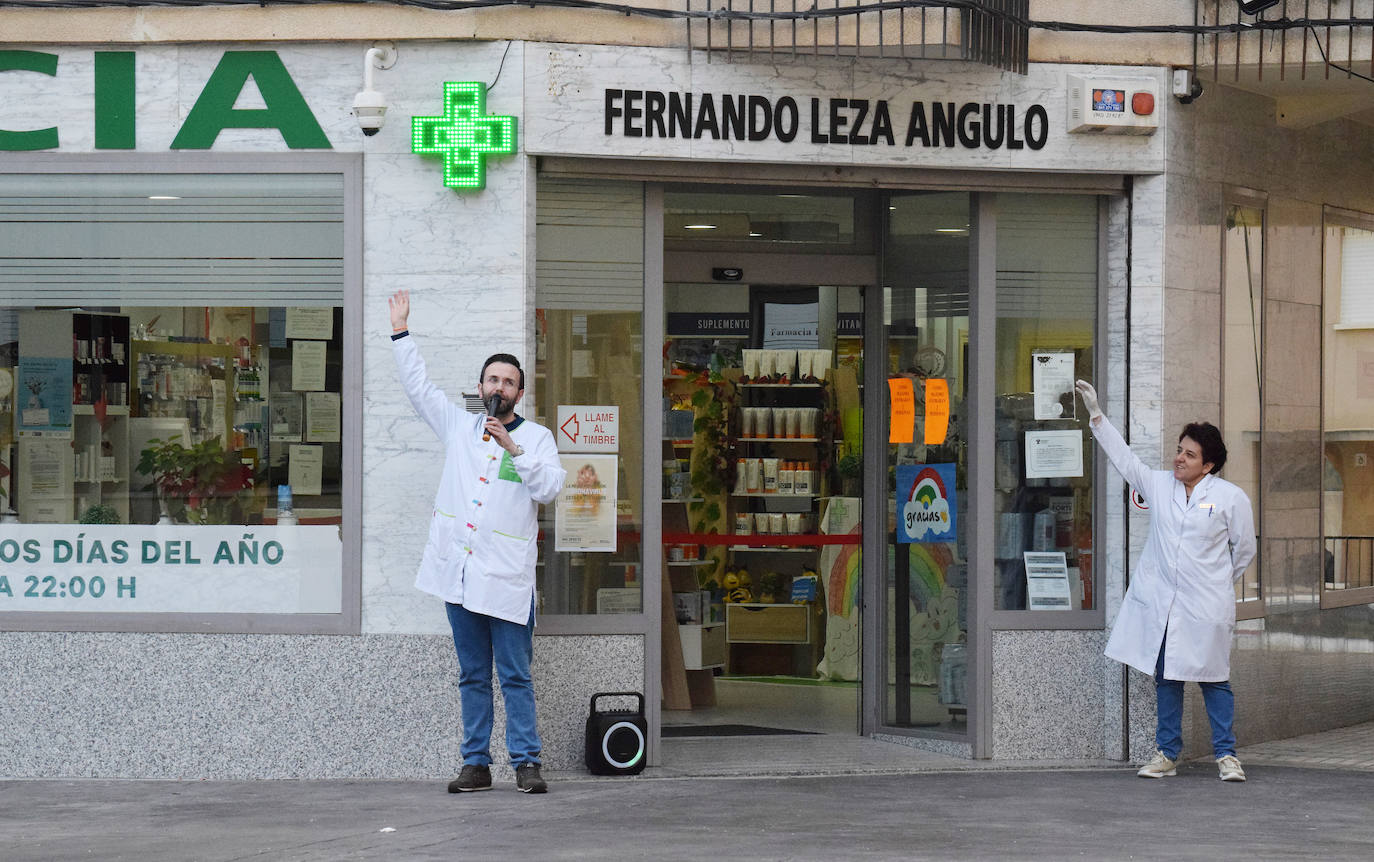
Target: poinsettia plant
{"x":199,"y":484}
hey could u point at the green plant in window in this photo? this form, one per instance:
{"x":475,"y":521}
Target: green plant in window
{"x":100,"y":513}
{"x":200,"y":484}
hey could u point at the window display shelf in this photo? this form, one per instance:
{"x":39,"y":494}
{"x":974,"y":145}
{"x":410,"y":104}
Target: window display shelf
{"x":781,"y":385}
{"x":684,"y":500}
{"x":776,"y":496}
{"x":774,"y":549}
{"x":690,"y":563}
{"x":812,"y":440}
{"x":89,"y":410}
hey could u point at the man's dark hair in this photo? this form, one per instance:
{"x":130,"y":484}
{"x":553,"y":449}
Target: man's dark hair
{"x":1206,"y":435}
{"x":509,"y":360}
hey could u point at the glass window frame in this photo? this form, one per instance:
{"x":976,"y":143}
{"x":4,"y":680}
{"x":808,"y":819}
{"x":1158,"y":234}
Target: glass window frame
{"x":349,"y":619}
{"x":983,"y":400}
{"x":1333,"y":217}
{"x":1252,"y":608}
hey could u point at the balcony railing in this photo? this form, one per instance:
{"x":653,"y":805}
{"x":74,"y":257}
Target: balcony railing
{"x":992,"y":32}
{"x":1294,"y":40}
{"x":1348,"y":562}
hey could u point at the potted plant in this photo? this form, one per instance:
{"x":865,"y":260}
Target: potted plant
{"x":200,"y":484}
{"x":851,"y":468}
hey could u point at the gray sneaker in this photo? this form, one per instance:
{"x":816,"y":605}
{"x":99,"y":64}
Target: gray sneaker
{"x":1228,"y":768}
{"x":472,"y":777}
{"x":528,"y":780}
{"x":1160,"y":766}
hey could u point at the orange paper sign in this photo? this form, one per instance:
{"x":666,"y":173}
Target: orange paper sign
{"x":902,"y":427}
{"x":937,"y":410}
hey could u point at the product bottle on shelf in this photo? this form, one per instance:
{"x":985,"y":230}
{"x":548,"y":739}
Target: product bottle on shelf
{"x":286,"y":514}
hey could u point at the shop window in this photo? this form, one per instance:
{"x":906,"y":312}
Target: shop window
{"x":1047,"y":301}
{"x":172,"y":420}
{"x":1242,"y":384}
{"x":1348,"y":410}
{"x":589,"y":375}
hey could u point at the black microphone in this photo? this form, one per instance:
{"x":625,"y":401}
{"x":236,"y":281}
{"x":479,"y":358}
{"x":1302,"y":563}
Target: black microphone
{"x":492,"y":404}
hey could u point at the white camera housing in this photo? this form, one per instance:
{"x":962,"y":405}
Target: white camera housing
{"x":369,"y":106}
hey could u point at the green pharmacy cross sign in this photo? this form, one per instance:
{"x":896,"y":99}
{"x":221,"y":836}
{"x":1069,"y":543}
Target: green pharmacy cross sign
{"x":463,"y":135}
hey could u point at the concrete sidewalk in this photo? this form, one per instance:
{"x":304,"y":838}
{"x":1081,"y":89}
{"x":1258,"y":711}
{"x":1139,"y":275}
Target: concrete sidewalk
{"x":1282,"y":812}
{"x":852,"y":804}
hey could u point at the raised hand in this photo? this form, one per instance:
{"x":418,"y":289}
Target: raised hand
{"x":1089,"y":396}
{"x":399,"y":303}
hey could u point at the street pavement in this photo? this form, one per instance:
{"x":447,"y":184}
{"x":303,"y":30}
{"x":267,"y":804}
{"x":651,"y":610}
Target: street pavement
{"x":1307,"y":798}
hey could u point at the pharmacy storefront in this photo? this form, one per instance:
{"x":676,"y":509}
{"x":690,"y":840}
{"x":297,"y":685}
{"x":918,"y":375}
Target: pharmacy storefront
{"x":805,"y":335}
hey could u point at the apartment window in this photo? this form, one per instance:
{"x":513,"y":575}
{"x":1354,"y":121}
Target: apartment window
{"x":1348,"y":409}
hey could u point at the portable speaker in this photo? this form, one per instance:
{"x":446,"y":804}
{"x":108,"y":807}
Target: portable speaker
{"x":617,"y":739}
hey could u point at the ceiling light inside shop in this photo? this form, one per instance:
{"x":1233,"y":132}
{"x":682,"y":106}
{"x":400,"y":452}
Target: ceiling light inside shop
{"x":164,"y":197}
{"x":699,"y":227}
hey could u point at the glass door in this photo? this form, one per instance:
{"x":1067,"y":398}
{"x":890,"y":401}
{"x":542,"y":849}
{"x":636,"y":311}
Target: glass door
{"x":925,"y":653}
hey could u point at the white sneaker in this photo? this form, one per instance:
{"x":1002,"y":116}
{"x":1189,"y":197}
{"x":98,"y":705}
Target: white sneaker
{"x":1228,"y":769}
{"x":1161,"y":767}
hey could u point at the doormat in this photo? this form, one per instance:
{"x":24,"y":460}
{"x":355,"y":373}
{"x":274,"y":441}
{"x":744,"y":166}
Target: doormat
{"x":688,"y":730}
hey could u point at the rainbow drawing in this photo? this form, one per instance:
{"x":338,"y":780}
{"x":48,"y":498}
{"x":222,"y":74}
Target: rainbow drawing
{"x":843,"y":579}
{"x":929,"y":562}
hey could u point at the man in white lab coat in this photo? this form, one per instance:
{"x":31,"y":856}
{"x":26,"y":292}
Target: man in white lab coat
{"x":482,"y":548}
{"x":1179,"y":614}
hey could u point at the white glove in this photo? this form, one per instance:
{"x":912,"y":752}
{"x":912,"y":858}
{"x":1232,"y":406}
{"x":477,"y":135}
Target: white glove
{"x":1089,"y":396}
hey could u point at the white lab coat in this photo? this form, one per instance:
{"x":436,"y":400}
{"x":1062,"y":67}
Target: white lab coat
{"x":1196,"y":550}
{"x":482,"y":544}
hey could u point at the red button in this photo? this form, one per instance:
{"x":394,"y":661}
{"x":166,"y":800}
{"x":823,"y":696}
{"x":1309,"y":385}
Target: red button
{"x":1143,"y":103}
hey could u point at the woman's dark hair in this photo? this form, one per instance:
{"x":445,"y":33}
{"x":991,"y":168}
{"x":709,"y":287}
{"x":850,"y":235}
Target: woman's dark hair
{"x":509,"y":360}
{"x":1206,"y":435}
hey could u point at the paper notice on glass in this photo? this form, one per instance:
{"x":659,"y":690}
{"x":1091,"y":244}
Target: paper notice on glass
{"x":307,"y":365}
{"x":584,"y":515}
{"x":40,"y":472}
{"x":1047,"y":581}
{"x":901,"y":426}
{"x":286,"y":416}
{"x":1051,"y":454}
{"x":306,"y":470}
{"x":310,"y":323}
{"x":937,"y":411}
{"x":322,"y":417}
{"x":1052,"y":379}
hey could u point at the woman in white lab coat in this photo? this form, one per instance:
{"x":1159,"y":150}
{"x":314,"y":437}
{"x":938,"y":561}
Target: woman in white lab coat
{"x":1179,"y":614}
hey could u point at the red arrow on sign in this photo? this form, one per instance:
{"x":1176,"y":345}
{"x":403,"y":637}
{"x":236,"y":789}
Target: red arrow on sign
{"x":577,"y":428}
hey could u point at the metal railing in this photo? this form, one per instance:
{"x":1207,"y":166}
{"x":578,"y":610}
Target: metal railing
{"x":1293,"y":40}
{"x":992,"y":32}
{"x":1348,"y":562}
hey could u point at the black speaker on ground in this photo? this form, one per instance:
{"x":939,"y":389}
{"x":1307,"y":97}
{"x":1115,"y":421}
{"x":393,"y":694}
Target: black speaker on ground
{"x":617,"y":739}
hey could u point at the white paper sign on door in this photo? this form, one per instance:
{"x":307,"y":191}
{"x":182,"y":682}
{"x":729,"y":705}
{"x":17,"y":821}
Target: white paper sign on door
{"x":584,"y":428}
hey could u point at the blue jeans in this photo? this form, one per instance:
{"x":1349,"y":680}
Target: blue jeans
{"x":478,"y":639}
{"x":1221,"y":712}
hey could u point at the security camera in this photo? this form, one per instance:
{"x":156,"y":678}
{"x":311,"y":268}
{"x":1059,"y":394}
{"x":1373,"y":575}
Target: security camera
{"x":369,"y":106}
{"x":1186,"y":86}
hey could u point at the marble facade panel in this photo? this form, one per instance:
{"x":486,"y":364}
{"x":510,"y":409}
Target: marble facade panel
{"x":1192,"y":348}
{"x":1292,"y":357}
{"x":1293,"y":252}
